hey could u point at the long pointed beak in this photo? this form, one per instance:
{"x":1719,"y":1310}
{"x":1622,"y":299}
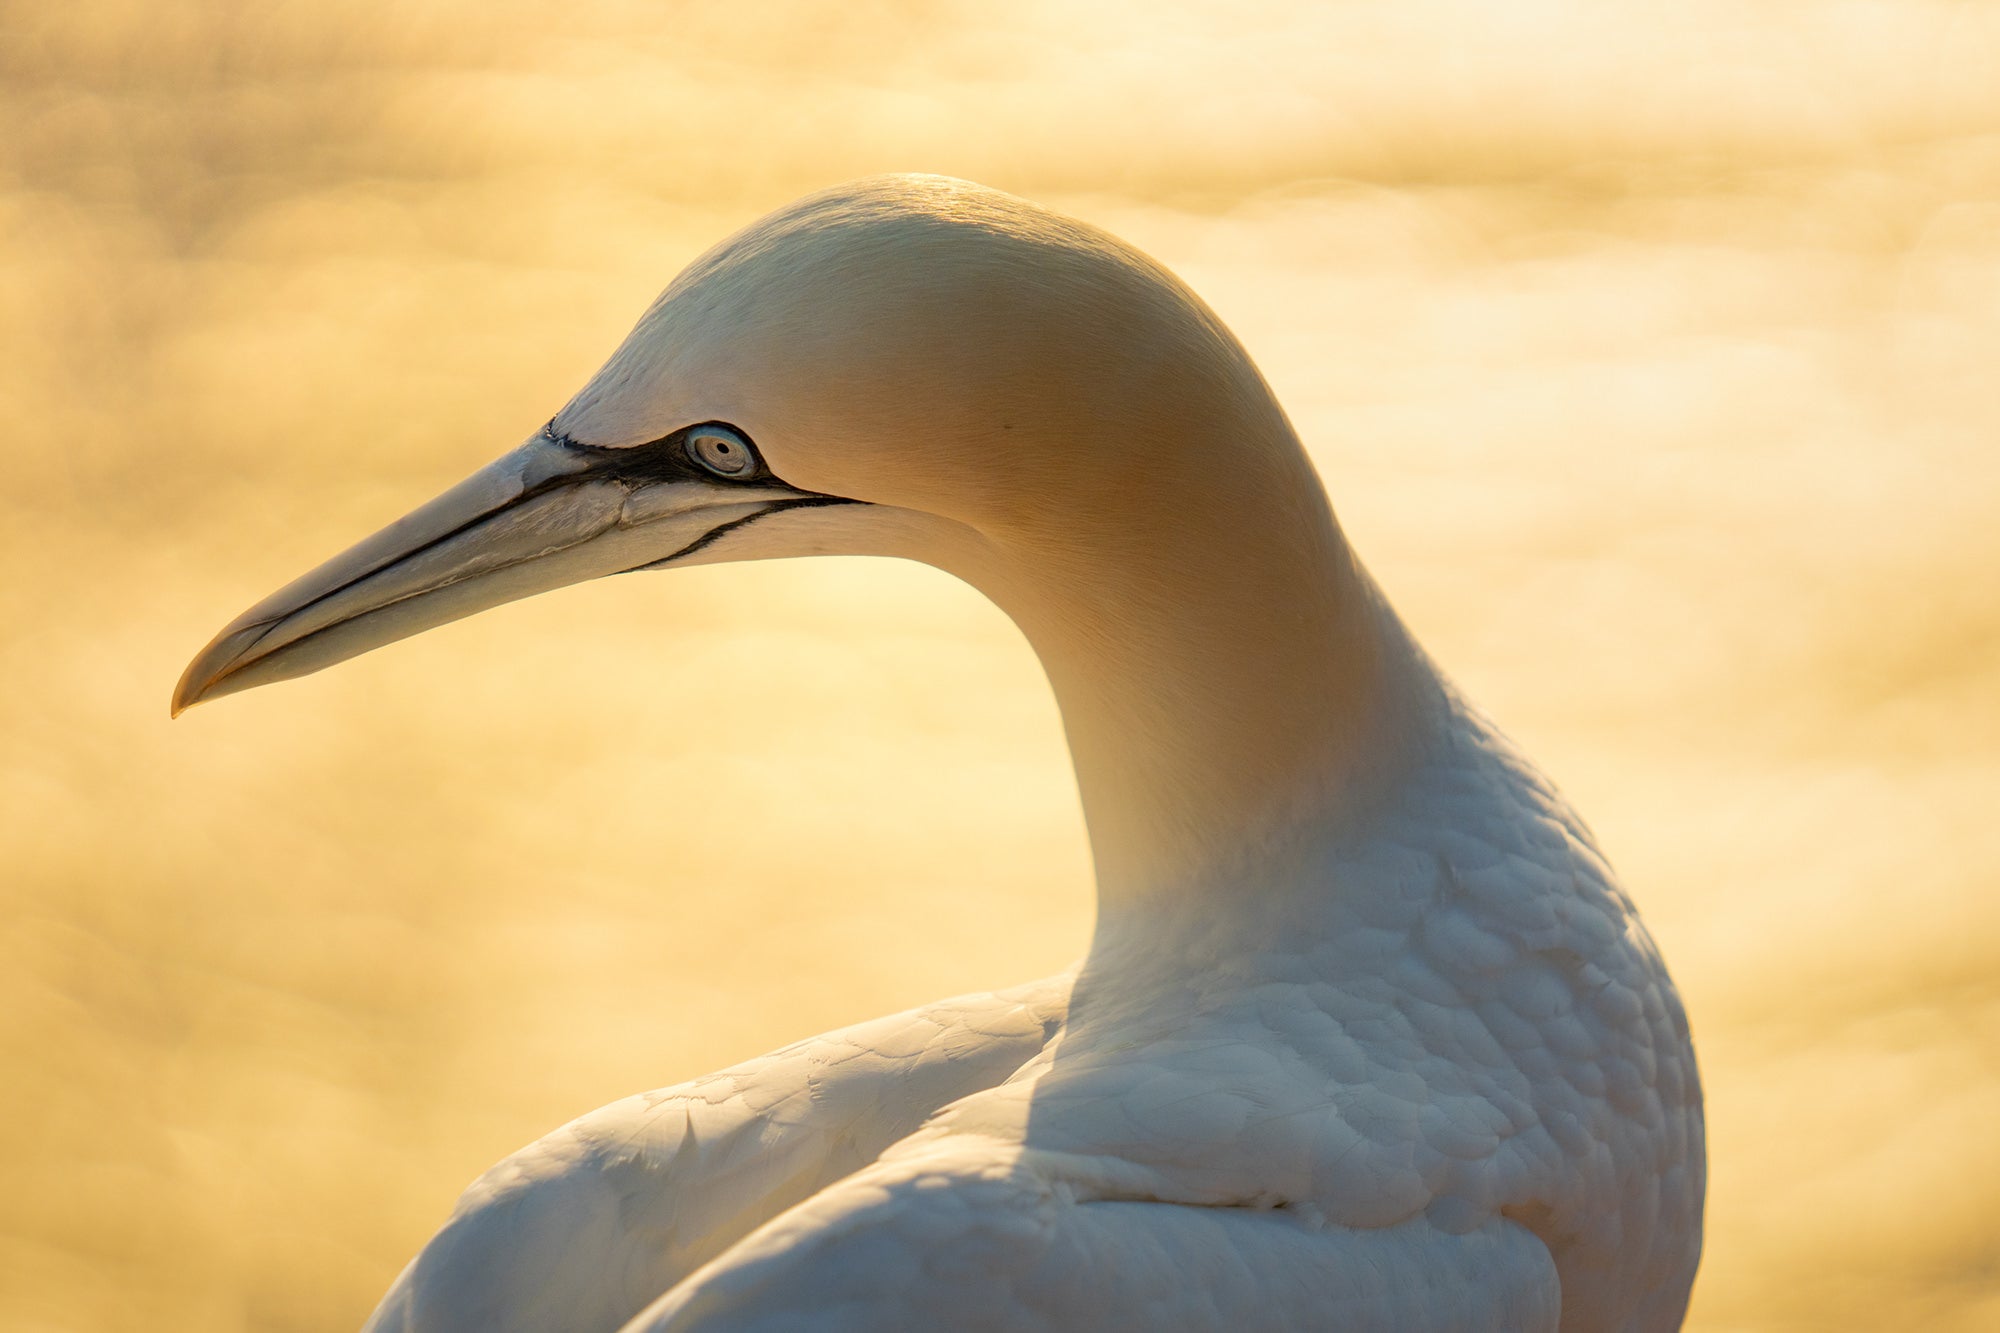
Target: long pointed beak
{"x":547,"y":515}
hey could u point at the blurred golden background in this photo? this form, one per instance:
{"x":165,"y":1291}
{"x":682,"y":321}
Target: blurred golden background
{"x":1651,"y":353}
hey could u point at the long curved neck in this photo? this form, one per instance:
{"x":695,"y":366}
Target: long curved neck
{"x":1226,"y":671}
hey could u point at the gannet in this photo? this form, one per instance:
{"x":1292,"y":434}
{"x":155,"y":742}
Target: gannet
{"x":1367,"y":1036}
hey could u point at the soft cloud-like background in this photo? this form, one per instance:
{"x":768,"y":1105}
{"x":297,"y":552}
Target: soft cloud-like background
{"x":1649,"y":351}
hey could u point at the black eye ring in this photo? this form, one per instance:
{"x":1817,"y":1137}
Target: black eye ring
{"x":722,"y":450}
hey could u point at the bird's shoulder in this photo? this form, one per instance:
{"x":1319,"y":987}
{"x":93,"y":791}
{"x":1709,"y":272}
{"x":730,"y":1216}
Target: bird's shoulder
{"x":1462,"y":1019}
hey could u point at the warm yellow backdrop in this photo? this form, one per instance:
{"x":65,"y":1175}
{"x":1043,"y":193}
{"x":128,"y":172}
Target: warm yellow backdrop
{"x":1651,"y":352}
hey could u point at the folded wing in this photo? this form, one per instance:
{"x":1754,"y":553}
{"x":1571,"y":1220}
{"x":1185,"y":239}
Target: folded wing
{"x":578,"y":1232}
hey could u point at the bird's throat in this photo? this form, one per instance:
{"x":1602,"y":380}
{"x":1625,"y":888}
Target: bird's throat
{"x":1224,"y":678}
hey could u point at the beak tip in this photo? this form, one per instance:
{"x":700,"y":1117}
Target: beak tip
{"x":187,"y":693}
{"x":214,"y":665}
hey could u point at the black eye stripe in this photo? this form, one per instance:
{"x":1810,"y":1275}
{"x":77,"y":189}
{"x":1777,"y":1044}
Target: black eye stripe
{"x":664,"y":459}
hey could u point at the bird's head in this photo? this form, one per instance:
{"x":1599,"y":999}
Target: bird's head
{"x":909,"y":365}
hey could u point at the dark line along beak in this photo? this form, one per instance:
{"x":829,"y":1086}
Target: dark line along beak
{"x":547,"y":515}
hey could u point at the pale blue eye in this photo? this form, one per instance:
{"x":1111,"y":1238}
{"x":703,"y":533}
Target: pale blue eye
{"x":721,"y":450}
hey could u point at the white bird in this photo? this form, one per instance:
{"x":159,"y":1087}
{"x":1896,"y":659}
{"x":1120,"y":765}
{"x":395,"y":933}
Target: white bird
{"x":1367,"y":1037}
